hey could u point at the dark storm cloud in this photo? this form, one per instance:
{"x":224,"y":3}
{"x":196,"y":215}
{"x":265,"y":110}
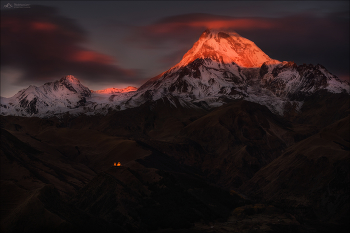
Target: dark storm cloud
{"x":303,"y":38}
{"x":45,"y":46}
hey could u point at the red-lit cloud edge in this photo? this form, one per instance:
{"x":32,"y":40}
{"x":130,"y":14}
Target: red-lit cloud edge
{"x":44,"y":45}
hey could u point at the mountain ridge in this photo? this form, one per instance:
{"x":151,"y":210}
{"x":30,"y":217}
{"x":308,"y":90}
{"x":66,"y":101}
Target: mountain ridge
{"x":275,"y":84}
{"x":221,"y":66}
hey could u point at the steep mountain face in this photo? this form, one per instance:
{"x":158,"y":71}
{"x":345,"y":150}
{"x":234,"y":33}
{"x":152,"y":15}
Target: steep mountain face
{"x":52,"y":97}
{"x":219,"y":64}
{"x":220,"y":67}
{"x":287,"y":79}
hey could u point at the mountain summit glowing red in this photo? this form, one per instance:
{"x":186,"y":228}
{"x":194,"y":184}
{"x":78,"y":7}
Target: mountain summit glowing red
{"x":225,"y":47}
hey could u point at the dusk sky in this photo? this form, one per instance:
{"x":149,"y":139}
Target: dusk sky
{"x":116,"y":44}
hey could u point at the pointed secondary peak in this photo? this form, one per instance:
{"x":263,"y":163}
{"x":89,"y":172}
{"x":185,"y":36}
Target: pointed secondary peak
{"x":69,"y":78}
{"x":73,"y":84}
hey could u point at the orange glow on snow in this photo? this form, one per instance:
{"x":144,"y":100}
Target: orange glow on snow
{"x":237,"y":49}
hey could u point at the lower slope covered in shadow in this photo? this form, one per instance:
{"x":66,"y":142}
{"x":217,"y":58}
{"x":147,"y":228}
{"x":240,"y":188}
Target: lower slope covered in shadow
{"x":318,"y":111}
{"x":130,"y":198}
{"x":180,"y":170}
{"x":231,"y":143}
{"x":30,"y":199}
{"x":310,"y":179}
{"x":138,"y":204}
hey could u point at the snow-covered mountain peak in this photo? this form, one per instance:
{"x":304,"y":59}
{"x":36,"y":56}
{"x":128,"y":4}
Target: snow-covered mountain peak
{"x":70,"y":80}
{"x":72,"y":84}
{"x":52,"y":97}
{"x":225,"y":47}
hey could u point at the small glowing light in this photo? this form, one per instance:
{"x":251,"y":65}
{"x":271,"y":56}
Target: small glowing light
{"x":117,"y":164}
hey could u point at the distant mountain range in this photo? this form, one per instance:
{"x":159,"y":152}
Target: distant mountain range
{"x":220,"y":67}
